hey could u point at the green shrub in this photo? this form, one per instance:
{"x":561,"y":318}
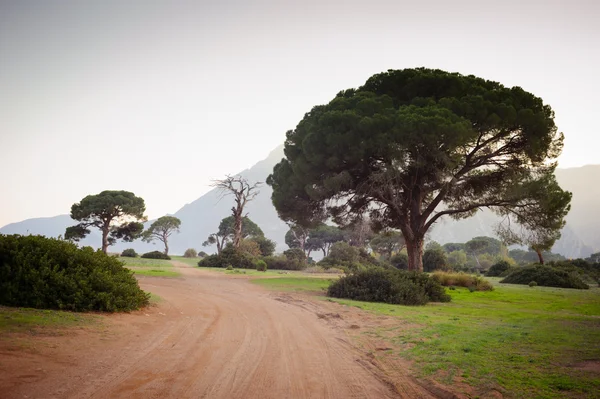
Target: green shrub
{"x":212,"y":261}
{"x":588,"y":272}
{"x":129,"y":253}
{"x":462,"y":280}
{"x":156,"y":255}
{"x":350,"y":259}
{"x":190,"y":253}
{"x":229,"y":256}
{"x":46,"y":273}
{"x":295,"y":254}
{"x":260,"y":265}
{"x":400,"y":261}
{"x":532,"y":284}
{"x":284,"y":263}
{"x":497,"y":269}
{"x":229,"y":267}
{"x":389,"y":286}
{"x":545,"y":276}
{"x":435,"y":259}
{"x":202,"y":254}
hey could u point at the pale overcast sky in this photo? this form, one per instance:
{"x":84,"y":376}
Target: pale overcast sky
{"x":159,"y":97}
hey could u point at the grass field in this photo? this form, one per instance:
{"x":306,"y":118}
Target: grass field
{"x":150,"y":267}
{"x":26,"y":319}
{"x":253,"y":272}
{"x":188,"y":261}
{"x":522,"y":341}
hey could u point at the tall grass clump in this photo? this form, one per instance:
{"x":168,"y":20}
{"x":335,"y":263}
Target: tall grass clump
{"x":461,"y":279}
{"x":47,"y":273}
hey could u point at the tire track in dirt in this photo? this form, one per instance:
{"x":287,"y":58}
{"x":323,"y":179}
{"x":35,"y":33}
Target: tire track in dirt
{"x":217,"y":336}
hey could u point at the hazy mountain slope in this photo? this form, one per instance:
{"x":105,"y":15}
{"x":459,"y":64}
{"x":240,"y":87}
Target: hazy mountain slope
{"x":584,"y":217}
{"x":202,"y":217}
{"x":50,"y":227}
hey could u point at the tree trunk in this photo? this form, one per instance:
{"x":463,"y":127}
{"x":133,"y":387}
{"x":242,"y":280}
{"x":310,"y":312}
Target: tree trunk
{"x":165,"y":241}
{"x":540,"y":257}
{"x":237,"y":236}
{"x":105,"y":239}
{"x":415,"y":254}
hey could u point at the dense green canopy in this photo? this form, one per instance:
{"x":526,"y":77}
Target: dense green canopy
{"x":412,"y":146}
{"x":118,"y":215}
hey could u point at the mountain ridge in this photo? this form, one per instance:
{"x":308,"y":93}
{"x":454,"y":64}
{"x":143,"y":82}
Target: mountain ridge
{"x":201,"y":217}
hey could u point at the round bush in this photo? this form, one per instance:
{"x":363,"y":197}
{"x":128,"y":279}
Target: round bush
{"x":190,"y":253}
{"x":389,"y":286}
{"x":545,"y":276}
{"x":400,"y":261}
{"x":434,"y":259}
{"x":156,"y":255}
{"x":47,"y":273}
{"x":129,"y":253}
{"x":498,"y":268}
{"x":261,"y":265}
{"x":229,"y":256}
{"x":295,"y":254}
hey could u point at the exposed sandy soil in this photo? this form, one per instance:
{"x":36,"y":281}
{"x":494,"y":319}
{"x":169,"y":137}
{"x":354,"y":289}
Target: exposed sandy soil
{"x":211,"y":336}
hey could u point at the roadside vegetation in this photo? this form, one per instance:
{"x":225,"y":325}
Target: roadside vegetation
{"x":46,"y":273}
{"x":518,"y":340}
{"x":14,"y":319}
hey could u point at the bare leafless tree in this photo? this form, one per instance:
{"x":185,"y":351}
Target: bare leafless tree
{"x":243,"y":192}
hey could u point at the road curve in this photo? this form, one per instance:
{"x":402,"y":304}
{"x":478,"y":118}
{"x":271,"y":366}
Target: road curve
{"x":215,"y":336}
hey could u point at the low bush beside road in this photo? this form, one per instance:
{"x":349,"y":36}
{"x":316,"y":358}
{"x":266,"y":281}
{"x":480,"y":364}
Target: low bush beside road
{"x":389,"y":286}
{"x":156,"y":255}
{"x":47,"y":273}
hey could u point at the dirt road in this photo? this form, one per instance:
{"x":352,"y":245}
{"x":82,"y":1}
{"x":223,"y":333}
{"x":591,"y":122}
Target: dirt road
{"x":211,"y":336}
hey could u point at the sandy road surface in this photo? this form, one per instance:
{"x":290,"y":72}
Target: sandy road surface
{"x":212,"y":336}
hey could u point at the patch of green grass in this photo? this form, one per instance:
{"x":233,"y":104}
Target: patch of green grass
{"x":155,"y":272}
{"x":521,"y":340}
{"x":139,"y":262}
{"x":150,"y":267}
{"x":254,"y":272}
{"x":24,"y":319}
{"x":294,"y":283}
{"x":188,"y":261}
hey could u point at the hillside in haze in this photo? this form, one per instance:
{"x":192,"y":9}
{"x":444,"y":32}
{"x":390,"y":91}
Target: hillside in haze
{"x":201,"y":217}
